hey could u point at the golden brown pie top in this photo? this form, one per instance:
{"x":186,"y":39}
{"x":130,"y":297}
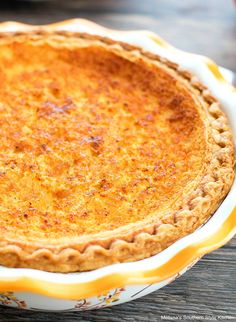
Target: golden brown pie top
{"x":108,"y":154}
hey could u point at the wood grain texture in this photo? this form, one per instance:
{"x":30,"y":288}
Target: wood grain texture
{"x":208,"y":290}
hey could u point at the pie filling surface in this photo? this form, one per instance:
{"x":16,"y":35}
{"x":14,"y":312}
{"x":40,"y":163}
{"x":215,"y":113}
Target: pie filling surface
{"x":107,"y":154}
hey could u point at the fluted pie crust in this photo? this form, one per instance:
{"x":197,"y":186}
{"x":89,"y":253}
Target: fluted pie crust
{"x":108,"y":153}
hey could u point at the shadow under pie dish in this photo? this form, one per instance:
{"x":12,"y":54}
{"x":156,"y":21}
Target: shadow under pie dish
{"x":109,"y":154}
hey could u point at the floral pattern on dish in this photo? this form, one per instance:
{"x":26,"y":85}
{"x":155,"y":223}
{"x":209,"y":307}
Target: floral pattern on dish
{"x":10,"y":299}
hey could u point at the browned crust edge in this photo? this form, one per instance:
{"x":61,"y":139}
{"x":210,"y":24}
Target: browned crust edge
{"x":143,"y":240}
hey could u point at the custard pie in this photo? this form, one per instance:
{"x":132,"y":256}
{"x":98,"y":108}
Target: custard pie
{"x":108,"y":153}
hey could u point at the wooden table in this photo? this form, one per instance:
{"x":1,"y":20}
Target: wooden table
{"x":208,"y":290}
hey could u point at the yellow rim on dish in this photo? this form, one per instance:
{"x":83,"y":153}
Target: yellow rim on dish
{"x":101,"y":285}
{"x":210,"y":64}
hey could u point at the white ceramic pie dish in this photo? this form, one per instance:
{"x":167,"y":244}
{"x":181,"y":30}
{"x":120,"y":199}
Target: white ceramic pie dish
{"x":115,"y":284}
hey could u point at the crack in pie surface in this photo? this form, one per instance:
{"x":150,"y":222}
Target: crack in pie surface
{"x":108,"y":153}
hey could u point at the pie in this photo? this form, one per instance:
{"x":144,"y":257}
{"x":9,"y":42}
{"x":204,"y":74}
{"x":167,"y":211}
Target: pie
{"x":108,"y":153}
